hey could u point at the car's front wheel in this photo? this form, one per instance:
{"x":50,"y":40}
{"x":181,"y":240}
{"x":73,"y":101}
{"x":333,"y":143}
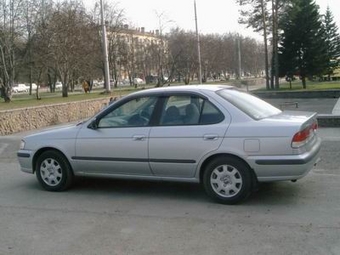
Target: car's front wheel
{"x":53,"y":171}
{"x":227,"y":180}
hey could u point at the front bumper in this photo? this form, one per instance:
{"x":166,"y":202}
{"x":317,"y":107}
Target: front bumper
{"x":25,"y":158}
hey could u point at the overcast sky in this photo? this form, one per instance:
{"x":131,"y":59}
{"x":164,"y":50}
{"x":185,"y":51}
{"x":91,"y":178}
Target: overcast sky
{"x":214,"y":16}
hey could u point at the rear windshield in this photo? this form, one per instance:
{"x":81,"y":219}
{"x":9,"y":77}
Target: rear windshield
{"x":253,"y":106}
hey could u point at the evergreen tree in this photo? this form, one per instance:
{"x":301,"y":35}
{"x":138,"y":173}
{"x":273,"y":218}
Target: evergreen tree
{"x":263,"y":16}
{"x":302,"y":50}
{"x":332,"y":41}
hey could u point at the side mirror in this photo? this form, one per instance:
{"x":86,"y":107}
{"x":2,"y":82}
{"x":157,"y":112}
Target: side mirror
{"x":93,"y":125}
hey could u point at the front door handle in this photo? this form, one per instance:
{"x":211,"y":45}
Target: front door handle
{"x":211,"y":137}
{"x":138,"y":137}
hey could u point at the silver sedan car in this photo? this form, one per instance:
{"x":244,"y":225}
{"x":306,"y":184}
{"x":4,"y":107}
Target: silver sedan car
{"x":223,"y":138}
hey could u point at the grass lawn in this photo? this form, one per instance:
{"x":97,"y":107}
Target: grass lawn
{"x":24,"y":100}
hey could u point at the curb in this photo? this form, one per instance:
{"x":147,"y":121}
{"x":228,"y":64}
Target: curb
{"x":332,"y":93}
{"x":328,"y":120}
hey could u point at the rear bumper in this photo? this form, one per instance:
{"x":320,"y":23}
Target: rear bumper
{"x":288,"y":167}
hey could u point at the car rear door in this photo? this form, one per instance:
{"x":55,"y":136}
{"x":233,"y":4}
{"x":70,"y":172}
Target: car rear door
{"x":181,"y":139}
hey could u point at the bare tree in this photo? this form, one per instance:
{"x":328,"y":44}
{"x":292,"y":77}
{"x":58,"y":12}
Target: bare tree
{"x":184,"y":54}
{"x":42,"y":64}
{"x":162,"y":46}
{"x":10,"y":42}
{"x":66,"y":39}
{"x":32,"y":11}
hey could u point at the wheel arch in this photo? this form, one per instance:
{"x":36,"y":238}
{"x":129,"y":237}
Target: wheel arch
{"x":42,"y":150}
{"x":220,"y":155}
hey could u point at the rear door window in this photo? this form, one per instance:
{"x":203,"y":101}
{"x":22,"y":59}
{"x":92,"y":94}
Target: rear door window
{"x":189,"y":110}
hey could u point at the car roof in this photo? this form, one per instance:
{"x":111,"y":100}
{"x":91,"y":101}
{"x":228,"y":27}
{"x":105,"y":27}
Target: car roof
{"x":185,"y":88}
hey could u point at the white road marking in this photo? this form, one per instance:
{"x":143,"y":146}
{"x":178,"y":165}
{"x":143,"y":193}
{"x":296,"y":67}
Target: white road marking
{"x":3,"y":146}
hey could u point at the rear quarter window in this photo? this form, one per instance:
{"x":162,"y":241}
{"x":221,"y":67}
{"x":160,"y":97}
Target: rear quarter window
{"x":210,"y":114}
{"x":251,"y":105}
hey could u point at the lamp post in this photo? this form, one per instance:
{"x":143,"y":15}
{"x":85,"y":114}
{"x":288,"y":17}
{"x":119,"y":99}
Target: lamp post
{"x":198,"y":48}
{"x":105,"y":51}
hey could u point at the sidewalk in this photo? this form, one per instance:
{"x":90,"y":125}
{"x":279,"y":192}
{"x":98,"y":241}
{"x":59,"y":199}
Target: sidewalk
{"x":319,"y":105}
{"x":336,"y":109}
{"x":329,"y":134}
{"x":328,"y":109}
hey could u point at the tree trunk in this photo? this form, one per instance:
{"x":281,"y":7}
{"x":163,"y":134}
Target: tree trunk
{"x":272,"y":71}
{"x":275,"y":42}
{"x":6,"y":93}
{"x":6,"y":88}
{"x":304,"y":82}
{"x":65,"y":85}
{"x":265,"y":44}
{"x":65,"y":90}
{"x":187,"y":79}
{"x":37,"y":95}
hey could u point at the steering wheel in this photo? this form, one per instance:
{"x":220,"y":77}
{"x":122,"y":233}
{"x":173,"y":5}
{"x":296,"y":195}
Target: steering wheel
{"x":145,"y":114}
{"x":138,"y":120}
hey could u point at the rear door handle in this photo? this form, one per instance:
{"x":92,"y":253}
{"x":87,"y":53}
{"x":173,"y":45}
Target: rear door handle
{"x":138,"y":137}
{"x":210,"y":137}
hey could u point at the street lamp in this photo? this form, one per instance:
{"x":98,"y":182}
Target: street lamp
{"x":198,"y":47}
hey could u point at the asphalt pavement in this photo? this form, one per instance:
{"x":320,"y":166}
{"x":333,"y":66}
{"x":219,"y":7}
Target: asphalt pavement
{"x":102,"y":216}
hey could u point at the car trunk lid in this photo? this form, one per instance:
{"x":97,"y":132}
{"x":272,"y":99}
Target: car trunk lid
{"x":306,"y":126}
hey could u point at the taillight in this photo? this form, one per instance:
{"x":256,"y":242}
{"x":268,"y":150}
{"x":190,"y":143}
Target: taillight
{"x":315,"y":126}
{"x":302,"y":137}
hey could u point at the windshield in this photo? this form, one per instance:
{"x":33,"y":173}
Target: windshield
{"x":253,"y":106}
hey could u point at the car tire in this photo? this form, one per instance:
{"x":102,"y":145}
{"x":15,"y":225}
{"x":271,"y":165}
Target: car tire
{"x":227,"y":180}
{"x":53,"y":171}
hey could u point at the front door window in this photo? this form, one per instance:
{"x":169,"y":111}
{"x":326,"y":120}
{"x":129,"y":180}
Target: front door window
{"x":134,"y":113}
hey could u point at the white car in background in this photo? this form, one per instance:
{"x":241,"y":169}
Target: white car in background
{"x":34,"y":86}
{"x":58,"y":85}
{"x":138,"y":81}
{"x":20,"y":88}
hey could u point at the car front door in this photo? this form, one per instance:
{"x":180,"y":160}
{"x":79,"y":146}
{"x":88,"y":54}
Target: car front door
{"x":117,"y":143}
{"x":190,"y":127}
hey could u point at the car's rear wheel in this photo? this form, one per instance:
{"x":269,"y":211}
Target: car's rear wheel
{"x":227,"y":180}
{"x":53,"y":171}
